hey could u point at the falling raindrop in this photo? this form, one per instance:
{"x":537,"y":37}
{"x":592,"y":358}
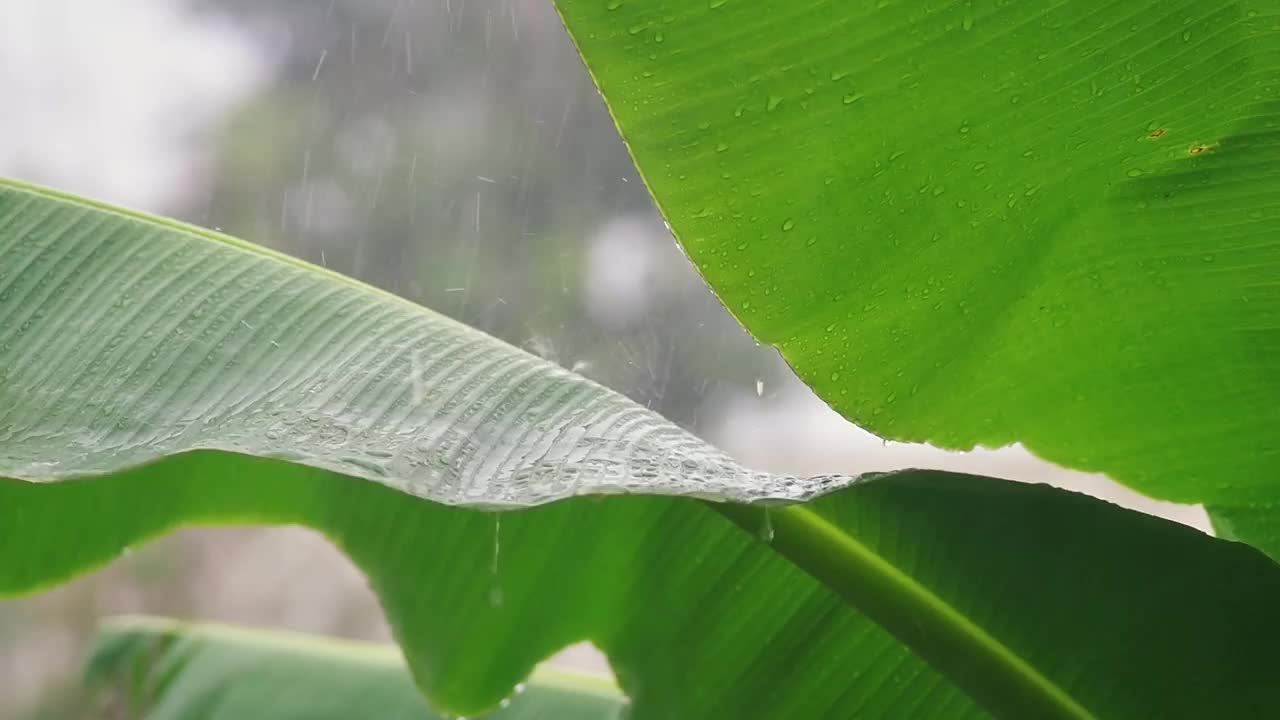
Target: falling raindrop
{"x":495,"y":593}
{"x":759,"y":387}
{"x":766,"y":526}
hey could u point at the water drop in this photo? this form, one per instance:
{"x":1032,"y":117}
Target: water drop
{"x":1186,"y":36}
{"x":774,"y":102}
{"x":851,"y":98}
{"x":721,"y":147}
{"x":713,"y":4}
{"x":1207,"y":258}
{"x":1135,"y":172}
{"x":521,"y":687}
{"x":759,"y":387}
{"x":613,"y":5}
{"x":968,"y":23}
{"x":766,"y":526}
{"x":495,"y":593}
{"x":788,"y":225}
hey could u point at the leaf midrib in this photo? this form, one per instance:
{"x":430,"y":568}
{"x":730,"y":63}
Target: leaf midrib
{"x":993,"y":674}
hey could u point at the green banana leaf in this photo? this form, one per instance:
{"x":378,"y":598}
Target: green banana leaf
{"x":156,"y":374}
{"x":981,"y":222}
{"x":153,"y":669}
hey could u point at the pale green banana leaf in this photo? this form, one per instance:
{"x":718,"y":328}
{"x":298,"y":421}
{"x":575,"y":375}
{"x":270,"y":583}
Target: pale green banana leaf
{"x":152,"y":669}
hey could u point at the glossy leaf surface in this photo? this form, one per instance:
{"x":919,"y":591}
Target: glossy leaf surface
{"x":978,"y":223}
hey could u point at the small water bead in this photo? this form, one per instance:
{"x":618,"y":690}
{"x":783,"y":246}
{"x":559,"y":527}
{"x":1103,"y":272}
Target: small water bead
{"x":788,"y":225}
{"x":773,"y":103}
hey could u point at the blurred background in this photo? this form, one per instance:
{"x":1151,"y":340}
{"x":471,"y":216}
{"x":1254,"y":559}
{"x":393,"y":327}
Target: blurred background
{"x":454,"y":152}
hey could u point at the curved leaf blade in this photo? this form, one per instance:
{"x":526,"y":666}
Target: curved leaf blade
{"x":1134,"y":616}
{"x":125,"y":338}
{"x":982,"y":223}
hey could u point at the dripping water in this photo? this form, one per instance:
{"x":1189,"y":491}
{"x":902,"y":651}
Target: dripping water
{"x":495,"y":592}
{"x":766,"y":526}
